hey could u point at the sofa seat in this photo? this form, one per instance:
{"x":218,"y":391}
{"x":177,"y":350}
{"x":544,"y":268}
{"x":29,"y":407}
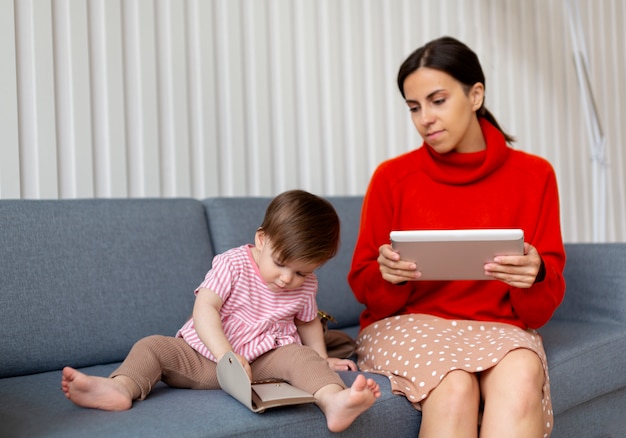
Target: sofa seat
{"x":35,"y":406}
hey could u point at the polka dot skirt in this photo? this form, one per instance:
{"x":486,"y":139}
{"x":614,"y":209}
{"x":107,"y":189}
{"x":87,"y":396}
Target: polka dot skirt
{"x":417,"y":351}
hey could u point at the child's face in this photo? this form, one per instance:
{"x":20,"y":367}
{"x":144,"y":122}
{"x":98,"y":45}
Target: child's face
{"x":279,"y":276}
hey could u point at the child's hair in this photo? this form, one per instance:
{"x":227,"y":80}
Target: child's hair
{"x":302,"y":226}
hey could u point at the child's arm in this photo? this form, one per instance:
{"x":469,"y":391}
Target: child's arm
{"x":312,"y":335}
{"x":208,"y":325}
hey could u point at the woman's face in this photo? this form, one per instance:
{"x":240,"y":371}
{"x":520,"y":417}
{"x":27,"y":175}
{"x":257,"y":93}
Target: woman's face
{"x":443,"y":112}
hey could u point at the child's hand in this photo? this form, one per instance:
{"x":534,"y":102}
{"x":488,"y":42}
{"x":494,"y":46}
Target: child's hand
{"x":341,"y":364}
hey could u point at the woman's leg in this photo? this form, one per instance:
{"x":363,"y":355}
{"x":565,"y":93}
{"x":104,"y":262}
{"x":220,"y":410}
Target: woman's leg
{"x":451,"y":409}
{"x":513,"y":392}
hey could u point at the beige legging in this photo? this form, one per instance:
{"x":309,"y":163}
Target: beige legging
{"x":171,"y":360}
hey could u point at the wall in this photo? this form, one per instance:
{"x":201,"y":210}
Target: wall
{"x":151,"y":98}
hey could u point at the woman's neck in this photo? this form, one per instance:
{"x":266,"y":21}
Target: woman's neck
{"x":474,"y":141}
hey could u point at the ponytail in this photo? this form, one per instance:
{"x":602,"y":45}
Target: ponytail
{"x":484,"y":113}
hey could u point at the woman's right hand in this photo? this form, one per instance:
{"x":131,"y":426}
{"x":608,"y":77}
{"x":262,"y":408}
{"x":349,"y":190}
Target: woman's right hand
{"x":393,"y":269}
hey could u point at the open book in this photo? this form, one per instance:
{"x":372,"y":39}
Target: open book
{"x":257,"y":396}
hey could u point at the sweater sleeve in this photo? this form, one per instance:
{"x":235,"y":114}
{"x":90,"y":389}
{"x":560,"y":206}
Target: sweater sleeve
{"x":535,"y":305}
{"x":380,"y":297}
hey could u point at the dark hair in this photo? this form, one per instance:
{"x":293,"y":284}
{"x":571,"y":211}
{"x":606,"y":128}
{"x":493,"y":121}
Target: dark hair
{"x":454,"y":58}
{"x":302,"y":226}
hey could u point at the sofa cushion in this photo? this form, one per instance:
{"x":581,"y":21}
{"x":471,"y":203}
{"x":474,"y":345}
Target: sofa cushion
{"x":233,"y":222}
{"x":82,"y":280}
{"x":335,"y":291}
{"x":595,"y":289}
{"x":585,"y":361}
{"x":585,"y":341}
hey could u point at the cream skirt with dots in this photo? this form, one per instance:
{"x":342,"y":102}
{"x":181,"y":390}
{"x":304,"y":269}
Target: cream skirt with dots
{"x":417,"y":351}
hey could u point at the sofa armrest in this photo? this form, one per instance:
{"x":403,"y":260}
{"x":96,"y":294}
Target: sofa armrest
{"x":595,"y":277}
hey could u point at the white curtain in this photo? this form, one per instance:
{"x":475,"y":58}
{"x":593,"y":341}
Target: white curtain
{"x":164,"y":98}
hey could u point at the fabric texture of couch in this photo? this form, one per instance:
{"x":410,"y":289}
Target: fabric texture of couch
{"x":82,"y":280}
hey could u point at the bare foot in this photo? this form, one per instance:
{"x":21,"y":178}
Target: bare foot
{"x":343,"y":407}
{"x":95,"y":392}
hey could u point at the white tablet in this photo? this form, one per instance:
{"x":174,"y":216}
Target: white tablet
{"x":456,"y":254}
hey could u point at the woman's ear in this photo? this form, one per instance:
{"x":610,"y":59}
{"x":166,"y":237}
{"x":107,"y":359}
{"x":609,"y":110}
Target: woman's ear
{"x":477,"y":95}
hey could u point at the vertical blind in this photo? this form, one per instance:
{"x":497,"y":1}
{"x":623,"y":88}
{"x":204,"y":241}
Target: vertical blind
{"x":164,"y":98}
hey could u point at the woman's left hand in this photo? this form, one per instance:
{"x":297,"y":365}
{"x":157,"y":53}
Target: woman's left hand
{"x":341,"y":364}
{"x":517,"y":271}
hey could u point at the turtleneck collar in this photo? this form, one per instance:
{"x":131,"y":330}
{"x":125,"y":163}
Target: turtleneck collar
{"x":458,"y":168}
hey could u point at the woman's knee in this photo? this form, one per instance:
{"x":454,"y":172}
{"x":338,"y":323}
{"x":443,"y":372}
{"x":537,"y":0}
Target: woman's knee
{"x":530,"y":379}
{"x":525,"y":370}
{"x":518,"y":378}
{"x":457,"y":392}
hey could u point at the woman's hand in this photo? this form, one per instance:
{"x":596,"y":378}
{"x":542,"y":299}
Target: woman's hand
{"x":517,"y":271}
{"x":393,"y":269}
{"x":341,"y":364}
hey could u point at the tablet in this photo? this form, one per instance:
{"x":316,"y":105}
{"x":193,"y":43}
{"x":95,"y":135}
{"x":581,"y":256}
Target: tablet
{"x":456,"y":254}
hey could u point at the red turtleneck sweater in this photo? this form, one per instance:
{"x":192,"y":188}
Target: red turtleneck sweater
{"x":495,"y":188}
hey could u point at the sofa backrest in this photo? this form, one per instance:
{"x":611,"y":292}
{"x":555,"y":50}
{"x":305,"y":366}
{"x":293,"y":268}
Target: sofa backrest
{"x":595,"y":283}
{"x":233,"y":222}
{"x":82,"y":280}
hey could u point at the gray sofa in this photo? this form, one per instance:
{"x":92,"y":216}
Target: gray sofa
{"x":82,"y":280}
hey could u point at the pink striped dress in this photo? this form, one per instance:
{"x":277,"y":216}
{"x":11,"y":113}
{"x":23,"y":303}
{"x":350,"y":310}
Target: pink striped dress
{"x":254,"y":318}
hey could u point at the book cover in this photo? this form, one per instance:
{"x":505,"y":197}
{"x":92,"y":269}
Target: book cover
{"x":257,"y":396}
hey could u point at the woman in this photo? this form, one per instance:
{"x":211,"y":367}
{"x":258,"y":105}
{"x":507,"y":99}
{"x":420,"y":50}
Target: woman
{"x":464,"y":352}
